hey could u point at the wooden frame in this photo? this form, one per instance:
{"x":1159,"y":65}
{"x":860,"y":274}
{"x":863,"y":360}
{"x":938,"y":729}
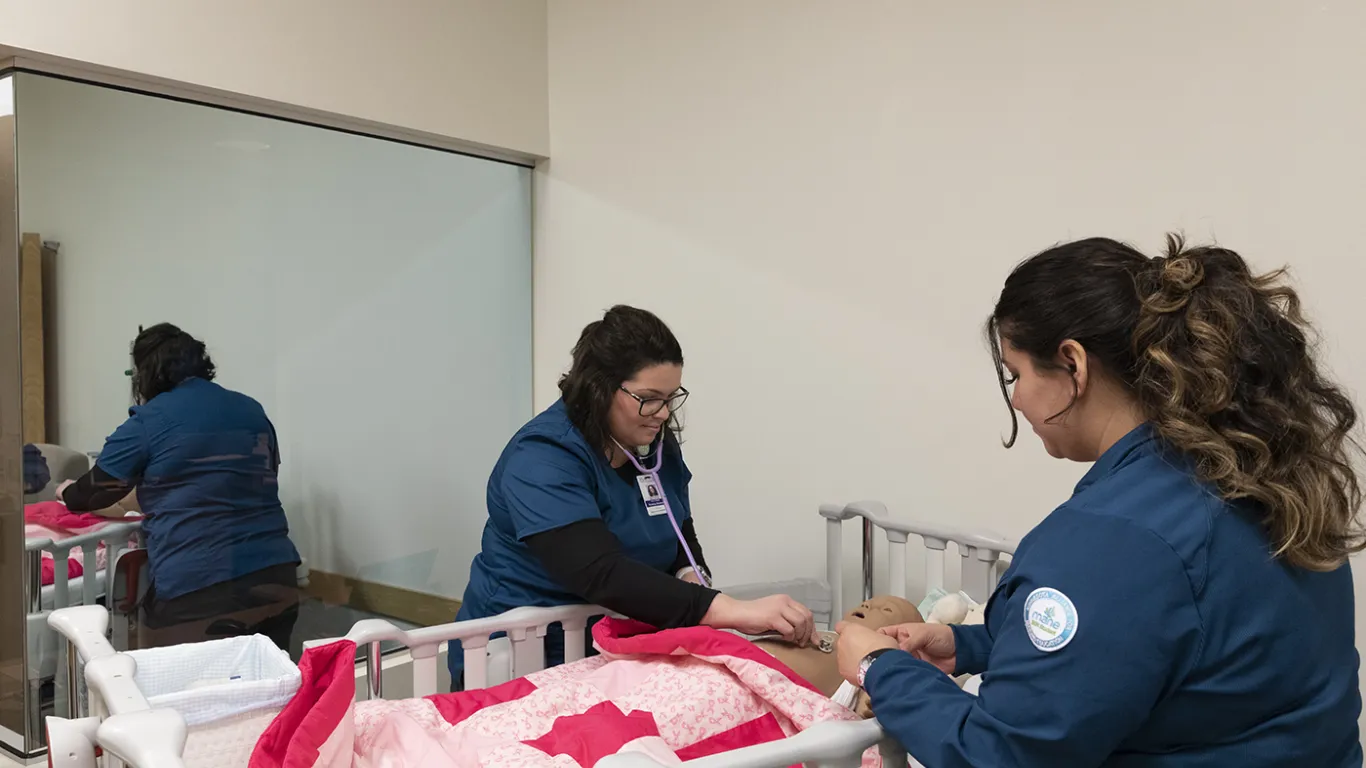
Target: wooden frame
{"x":407,"y":605}
{"x":32,"y":361}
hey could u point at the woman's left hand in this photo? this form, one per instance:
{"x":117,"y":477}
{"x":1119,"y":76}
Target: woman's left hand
{"x":855,"y":642}
{"x":63,"y":487}
{"x":690,"y":576}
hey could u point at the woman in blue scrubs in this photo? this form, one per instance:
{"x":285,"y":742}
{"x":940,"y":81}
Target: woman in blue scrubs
{"x":1191,"y":603}
{"x":205,"y":462}
{"x":576,"y":514}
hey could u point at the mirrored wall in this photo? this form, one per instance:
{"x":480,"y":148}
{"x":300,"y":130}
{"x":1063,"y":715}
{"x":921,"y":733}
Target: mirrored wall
{"x":266,"y":368}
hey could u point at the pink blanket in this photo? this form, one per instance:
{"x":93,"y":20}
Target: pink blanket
{"x":676,"y":695}
{"x":52,"y":520}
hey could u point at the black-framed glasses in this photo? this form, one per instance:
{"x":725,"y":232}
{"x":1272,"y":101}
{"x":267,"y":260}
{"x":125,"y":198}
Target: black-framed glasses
{"x":649,"y":406}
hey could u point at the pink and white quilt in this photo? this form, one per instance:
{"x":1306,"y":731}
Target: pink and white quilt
{"x":52,"y":520}
{"x":675,"y":695}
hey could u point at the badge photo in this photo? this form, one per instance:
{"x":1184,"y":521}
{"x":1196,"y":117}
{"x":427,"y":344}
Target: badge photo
{"x":1050,"y":619}
{"x":650,"y":494}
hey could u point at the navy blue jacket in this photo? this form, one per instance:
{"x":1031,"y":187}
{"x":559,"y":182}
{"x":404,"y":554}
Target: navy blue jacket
{"x":1142,"y":623}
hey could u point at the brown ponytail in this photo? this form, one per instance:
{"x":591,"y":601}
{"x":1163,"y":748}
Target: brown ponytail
{"x":1227,"y":373}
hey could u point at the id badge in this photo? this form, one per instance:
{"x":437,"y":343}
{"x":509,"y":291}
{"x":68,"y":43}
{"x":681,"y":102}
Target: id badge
{"x":652,"y":494}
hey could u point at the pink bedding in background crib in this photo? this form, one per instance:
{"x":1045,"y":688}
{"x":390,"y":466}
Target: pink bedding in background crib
{"x":675,"y":695}
{"x":52,"y":520}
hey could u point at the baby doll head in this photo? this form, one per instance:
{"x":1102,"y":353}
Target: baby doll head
{"x":884,"y":611}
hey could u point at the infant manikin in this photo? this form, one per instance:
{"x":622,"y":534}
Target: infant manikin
{"x":820,"y":668}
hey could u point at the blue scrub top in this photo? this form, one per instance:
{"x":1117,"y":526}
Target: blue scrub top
{"x":1143,"y":623}
{"x":547,"y":478}
{"x":36,"y":473}
{"x":204,"y":460}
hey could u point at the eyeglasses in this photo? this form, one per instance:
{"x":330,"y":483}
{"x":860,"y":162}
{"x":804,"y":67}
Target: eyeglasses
{"x":649,"y":406}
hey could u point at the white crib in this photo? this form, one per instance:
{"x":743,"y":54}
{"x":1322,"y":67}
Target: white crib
{"x":46,"y":655}
{"x":126,"y":728}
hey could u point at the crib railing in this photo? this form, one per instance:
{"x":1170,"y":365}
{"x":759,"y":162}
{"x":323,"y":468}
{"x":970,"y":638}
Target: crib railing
{"x":115,"y":538}
{"x":982,"y":553}
{"x":525,"y":628}
{"x":122,"y":722}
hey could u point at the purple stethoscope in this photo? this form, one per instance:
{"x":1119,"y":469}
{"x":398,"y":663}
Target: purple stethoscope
{"x":653,"y":473}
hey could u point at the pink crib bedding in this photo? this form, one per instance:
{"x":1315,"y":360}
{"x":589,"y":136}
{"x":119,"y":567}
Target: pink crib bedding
{"x":676,"y":695}
{"x":52,"y":520}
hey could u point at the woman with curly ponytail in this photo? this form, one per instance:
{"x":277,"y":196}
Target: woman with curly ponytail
{"x":1191,"y":604}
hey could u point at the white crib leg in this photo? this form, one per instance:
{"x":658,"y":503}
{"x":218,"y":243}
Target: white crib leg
{"x":476,"y":662}
{"x":374,"y":672}
{"x":71,"y":743}
{"x":528,"y":651}
{"x":869,"y":541}
{"x":63,"y":693}
{"x":934,"y":563}
{"x":896,"y":558}
{"x":89,"y":573}
{"x":574,"y":638}
{"x":61,"y":587}
{"x":424,"y":670}
{"x":984,"y":570}
{"x":73,"y":679}
{"x":834,"y":567}
{"x":120,"y":625}
{"x":978,"y":579}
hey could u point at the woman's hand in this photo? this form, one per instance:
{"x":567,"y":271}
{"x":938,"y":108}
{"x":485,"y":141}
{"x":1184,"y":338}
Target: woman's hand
{"x":61,"y":488}
{"x":932,"y":643}
{"x":857,"y":641}
{"x":690,"y":576}
{"x":778,"y":613}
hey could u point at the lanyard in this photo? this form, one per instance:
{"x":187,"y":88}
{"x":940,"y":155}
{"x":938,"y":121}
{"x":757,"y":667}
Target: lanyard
{"x":653,"y":472}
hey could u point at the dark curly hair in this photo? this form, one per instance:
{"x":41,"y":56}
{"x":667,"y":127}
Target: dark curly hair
{"x":1221,"y":363}
{"x":610,"y":352}
{"x":163,"y":357}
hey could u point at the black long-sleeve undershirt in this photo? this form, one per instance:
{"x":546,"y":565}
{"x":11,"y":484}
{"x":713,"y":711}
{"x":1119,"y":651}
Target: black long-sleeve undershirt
{"x":95,"y":490}
{"x":588,"y":560}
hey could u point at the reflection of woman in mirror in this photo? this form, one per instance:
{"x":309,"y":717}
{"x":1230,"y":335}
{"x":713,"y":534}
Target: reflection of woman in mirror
{"x":204,"y":461}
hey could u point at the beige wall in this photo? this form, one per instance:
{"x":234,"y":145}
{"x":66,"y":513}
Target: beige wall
{"x":468,"y":69}
{"x":824,"y":198}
